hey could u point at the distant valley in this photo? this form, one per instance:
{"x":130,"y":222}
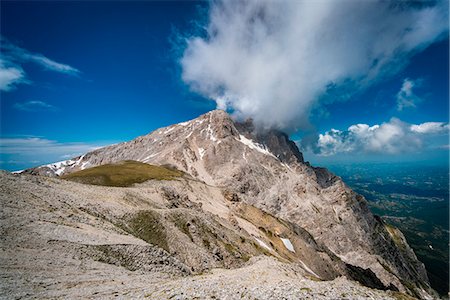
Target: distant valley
{"x":414,"y":198}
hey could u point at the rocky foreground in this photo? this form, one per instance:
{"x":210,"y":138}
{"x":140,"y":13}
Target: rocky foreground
{"x":65,"y":240}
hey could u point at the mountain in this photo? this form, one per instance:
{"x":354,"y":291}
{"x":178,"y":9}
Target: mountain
{"x":242,"y":193}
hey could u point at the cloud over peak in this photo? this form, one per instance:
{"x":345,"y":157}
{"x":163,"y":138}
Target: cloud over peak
{"x":273,"y":60}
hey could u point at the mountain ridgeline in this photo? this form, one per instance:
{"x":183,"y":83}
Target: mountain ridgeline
{"x":256,"y":186}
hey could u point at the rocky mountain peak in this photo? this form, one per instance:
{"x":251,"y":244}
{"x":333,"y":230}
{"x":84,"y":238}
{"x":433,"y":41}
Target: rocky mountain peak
{"x":264,"y":169}
{"x":186,"y":143}
{"x":277,"y":142}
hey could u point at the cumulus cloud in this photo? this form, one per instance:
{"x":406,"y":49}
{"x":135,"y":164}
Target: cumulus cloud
{"x":273,"y":60}
{"x":431,"y":127}
{"x":406,"y":97}
{"x":12,"y":59}
{"x":391,"y":137}
{"x":34,"y":105}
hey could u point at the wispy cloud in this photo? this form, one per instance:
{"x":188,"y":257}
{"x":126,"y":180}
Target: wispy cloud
{"x":406,"y":98}
{"x":52,"y":65}
{"x":12,"y":59}
{"x":25,"y":145}
{"x":11,"y":75}
{"x":446,"y":147}
{"x":391,"y":137}
{"x":31,"y":151}
{"x":283,"y":58}
{"x":34,"y":106}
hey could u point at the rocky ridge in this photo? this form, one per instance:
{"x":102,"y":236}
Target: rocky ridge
{"x":263,"y":189}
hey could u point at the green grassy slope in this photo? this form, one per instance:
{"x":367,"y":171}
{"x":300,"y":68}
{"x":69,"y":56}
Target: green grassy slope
{"x":122,"y":174}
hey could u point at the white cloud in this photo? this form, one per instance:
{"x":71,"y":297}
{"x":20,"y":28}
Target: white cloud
{"x":34,"y":106}
{"x":12,"y":59}
{"x":273,"y":60}
{"x":391,"y":137}
{"x":406,"y":98}
{"x":51,"y":65}
{"x":431,"y":127}
{"x":10,"y":76}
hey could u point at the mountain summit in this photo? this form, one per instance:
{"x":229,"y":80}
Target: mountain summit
{"x":258,"y":184}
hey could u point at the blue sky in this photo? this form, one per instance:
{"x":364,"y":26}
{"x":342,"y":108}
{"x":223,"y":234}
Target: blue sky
{"x":79,"y":75}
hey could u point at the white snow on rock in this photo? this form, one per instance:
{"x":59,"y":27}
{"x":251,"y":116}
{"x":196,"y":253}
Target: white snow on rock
{"x":308,"y":269}
{"x":60,"y":166}
{"x":184,"y":123}
{"x":168,"y":130}
{"x":201,"y":151}
{"x":84,"y":165}
{"x":210,"y":133}
{"x":286,"y":166}
{"x":244,"y":157}
{"x":255,"y":146}
{"x":147,"y":158}
{"x":262,"y":244}
{"x":287,"y":243}
{"x":77,"y":163}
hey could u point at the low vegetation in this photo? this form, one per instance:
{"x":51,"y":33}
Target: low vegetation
{"x":122,"y":174}
{"x":395,"y":235}
{"x":147,"y":225}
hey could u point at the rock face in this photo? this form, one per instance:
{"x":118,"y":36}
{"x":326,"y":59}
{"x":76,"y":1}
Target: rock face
{"x":270,"y":193}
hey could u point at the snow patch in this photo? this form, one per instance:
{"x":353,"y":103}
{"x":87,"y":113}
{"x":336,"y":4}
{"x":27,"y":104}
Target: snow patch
{"x":84,"y":165}
{"x":255,"y":146}
{"x":287,"y":243}
{"x":286,"y":166}
{"x":168,"y":130}
{"x":262,"y":244}
{"x":59,"y":167}
{"x":211,"y":134}
{"x":183,"y":123}
{"x":308,"y":269}
{"x":79,"y":160}
{"x":146,"y":159}
{"x":201,"y":151}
